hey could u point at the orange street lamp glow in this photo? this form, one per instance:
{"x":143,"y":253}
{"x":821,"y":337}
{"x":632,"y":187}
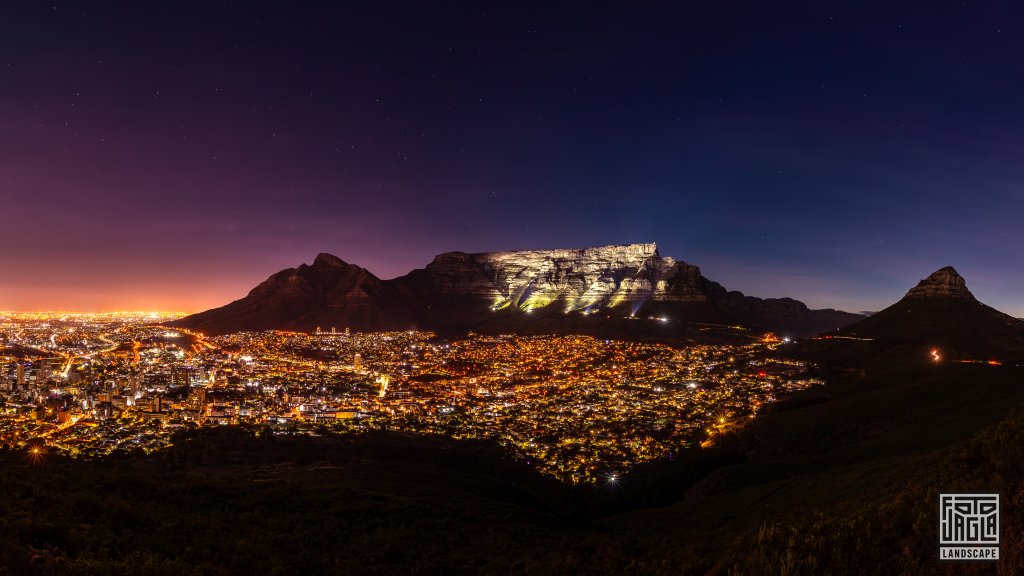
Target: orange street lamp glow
{"x":35,"y":455}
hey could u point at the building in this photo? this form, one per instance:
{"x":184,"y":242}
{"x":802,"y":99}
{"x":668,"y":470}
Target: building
{"x":42,"y":373}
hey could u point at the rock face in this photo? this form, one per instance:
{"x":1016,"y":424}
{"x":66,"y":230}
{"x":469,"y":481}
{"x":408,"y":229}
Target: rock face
{"x":941,"y":312}
{"x":943,"y":283}
{"x":573,"y":280}
{"x":590,"y":290}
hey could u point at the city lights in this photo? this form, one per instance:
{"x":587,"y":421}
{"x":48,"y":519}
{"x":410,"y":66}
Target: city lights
{"x":572,"y":406}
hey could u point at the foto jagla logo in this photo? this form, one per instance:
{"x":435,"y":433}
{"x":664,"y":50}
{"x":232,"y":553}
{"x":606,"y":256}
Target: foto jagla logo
{"x":969,"y":526}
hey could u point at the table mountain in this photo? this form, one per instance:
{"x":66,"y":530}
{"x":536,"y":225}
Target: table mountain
{"x":615,"y":289}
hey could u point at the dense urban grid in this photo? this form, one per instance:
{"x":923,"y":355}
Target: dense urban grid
{"x":575,"y":407}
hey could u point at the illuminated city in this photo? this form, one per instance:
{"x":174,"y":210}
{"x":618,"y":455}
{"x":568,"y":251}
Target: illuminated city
{"x":574,"y":407}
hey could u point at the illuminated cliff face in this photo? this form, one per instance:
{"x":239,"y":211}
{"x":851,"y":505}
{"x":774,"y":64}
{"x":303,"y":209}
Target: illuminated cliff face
{"x":581,"y":280}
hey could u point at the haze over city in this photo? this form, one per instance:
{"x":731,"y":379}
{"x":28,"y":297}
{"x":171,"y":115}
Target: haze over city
{"x":830,"y":155}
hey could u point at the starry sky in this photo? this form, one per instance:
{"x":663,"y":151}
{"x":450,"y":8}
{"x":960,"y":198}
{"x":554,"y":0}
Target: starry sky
{"x":159,"y":155}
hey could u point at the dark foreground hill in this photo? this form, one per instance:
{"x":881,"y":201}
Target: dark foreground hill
{"x":845,"y":486}
{"x":630,"y":291}
{"x":238,"y":501}
{"x":845,"y":479}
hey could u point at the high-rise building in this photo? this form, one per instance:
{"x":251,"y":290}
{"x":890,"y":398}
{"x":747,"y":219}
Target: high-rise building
{"x":134,"y":383}
{"x":42,"y":373}
{"x":357,"y":362}
{"x":21,"y":375}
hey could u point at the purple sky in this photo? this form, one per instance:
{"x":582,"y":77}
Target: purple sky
{"x":172,"y":157}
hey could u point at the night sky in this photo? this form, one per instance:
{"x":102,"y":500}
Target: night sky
{"x":165,"y":156}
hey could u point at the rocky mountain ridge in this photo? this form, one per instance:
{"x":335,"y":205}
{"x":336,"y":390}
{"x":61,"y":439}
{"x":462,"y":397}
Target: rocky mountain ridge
{"x":944,"y":282}
{"x":942,"y":313}
{"x":563,"y":290}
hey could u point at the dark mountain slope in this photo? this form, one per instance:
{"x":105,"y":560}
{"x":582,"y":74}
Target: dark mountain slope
{"x":942,"y":313}
{"x":330,"y":293}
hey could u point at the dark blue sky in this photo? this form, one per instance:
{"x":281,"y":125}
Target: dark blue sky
{"x":157,"y":155}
